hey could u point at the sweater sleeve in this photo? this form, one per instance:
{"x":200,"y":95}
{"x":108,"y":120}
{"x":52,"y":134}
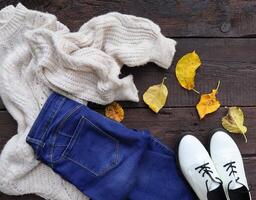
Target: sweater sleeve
{"x":85,"y":73}
{"x":130,"y":40}
{"x":86,"y":64}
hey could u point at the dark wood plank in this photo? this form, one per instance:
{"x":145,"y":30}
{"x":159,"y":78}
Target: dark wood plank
{"x":2,"y":107}
{"x":181,"y":18}
{"x":250,"y":169}
{"x":249,"y":164}
{"x":232,"y":61}
{"x":168,"y":126}
{"x":24,"y":197}
{"x":8,"y":128}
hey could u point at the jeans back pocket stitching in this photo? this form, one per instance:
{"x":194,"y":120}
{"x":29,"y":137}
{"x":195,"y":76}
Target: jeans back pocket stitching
{"x":73,"y":141}
{"x":73,"y":138}
{"x":82,"y":166}
{"x":70,"y":113}
{"x":64,"y":134}
{"x":106,"y":134}
{"x":45,"y":128}
{"x":48,"y":122}
{"x":60,"y":145}
{"x":67,"y":116}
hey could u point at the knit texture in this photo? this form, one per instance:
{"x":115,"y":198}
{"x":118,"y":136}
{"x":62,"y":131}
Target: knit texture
{"x":87,"y":64}
{"x":38,"y":54}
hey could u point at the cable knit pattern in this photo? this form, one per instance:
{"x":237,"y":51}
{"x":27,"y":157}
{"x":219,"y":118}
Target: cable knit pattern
{"x":130,"y":40}
{"x":38,"y":54}
{"x":87,"y":64}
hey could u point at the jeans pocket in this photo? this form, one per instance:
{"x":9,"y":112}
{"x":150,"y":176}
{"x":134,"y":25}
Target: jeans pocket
{"x":92,"y":148}
{"x":60,"y":143}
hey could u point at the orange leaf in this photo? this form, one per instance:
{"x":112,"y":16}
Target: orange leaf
{"x":115,"y":111}
{"x":208,"y":103}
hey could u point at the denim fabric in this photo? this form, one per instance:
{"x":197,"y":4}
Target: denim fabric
{"x":101,"y":157}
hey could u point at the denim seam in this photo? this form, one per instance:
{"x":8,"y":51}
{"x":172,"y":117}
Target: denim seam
{"x":161,"y":145}
{"x":67,"y":117}
{"x":48,"y":122}
{"x":64,"y":134}
{"x":106,"y":134}
{"x":60,"y":145}
{"x":77,"y":129}
{"x":35,"y":124}
{"x":73,"y":141}
{"x":93,"y":172}
{"x":82,"y":165}
{"x":35,"y":141}
{"x":60,"y":126}
{"x":100,"y":129}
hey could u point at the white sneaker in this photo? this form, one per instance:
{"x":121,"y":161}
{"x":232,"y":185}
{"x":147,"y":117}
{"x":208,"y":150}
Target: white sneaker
{"x":198,"y":169}
{"x":229,"y":164}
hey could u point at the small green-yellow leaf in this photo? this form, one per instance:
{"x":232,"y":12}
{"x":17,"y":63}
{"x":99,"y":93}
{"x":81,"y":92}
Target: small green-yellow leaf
{"x":155,"y":96}
{"x":234,"y":121}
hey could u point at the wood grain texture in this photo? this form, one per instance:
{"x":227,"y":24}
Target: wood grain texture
{"x":249,"y":164}
{"x":23,"y":197}
{"x":222,"y":32}
{"x":183,"y":18}
{"x":168,"y":126}
{"x":232,"y":61}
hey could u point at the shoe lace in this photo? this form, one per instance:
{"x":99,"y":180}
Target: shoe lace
{"x":205,"y":169}
{"x":231,"y":167}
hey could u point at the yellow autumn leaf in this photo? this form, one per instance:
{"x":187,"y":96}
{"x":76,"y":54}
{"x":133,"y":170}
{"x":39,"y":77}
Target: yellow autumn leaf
{"x":155,"y":96}
{"x":234,"y":120}
{"x":115,"y":111}
{"x":208,"y":103}
{"x":186,"y":70}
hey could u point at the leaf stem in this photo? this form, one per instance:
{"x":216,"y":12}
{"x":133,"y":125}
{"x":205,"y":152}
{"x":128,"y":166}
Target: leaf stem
{"x":218,"y":85}
{"x":245,"y":138}
{"x":164,"y":80}
{"x":196,"y":91}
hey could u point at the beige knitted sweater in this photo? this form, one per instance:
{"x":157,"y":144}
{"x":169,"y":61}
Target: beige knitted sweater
{"x":38,"y":54}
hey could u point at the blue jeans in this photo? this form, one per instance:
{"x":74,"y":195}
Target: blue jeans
{"x":101,"y":157}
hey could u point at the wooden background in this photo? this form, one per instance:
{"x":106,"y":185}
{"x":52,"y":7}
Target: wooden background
{"x":221,"y":31}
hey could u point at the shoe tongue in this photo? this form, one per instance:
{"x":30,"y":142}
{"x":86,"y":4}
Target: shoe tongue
{"x":213,"y":185}
{"x":234,"y":185}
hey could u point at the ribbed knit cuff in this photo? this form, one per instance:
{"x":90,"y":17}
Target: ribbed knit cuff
{"x":14,"y":23}
{"x":162,"y":51}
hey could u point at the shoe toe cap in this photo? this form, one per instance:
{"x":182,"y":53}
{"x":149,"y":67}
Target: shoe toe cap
{"x":222,"y":141}
{"x":190,"y":150}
